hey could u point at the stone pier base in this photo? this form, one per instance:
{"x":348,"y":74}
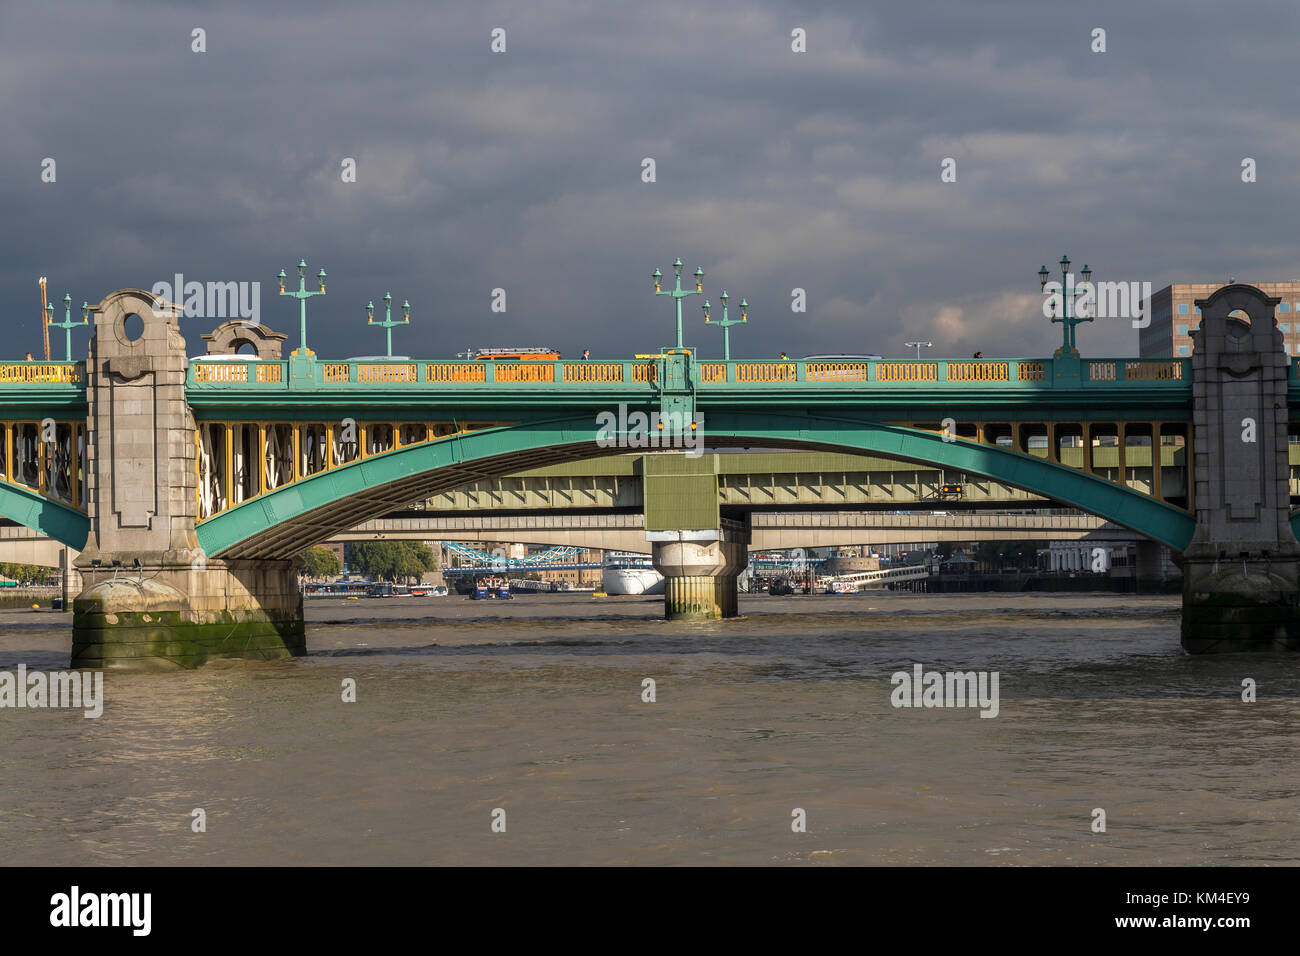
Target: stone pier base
{"x":1235,"y":605}
{"x":697,"y":597}
{"x":169,"y":617}
{"x":700,"y":577}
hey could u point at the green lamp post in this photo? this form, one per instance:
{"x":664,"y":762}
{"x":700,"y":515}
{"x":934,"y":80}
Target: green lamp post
{"x":725,"y":323}
{"x":388,"y":322}
{"x":1069,"y":348}
{"x":67,"y":324}
{"x":679,"y":293}
{"x":302,"y":295}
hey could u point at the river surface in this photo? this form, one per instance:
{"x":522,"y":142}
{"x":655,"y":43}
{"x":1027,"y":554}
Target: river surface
{"x":534,"y":707}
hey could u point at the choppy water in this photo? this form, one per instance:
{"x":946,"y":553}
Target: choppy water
{"x":535,"y":707}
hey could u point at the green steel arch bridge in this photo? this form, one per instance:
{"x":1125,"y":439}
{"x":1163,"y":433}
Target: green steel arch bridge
{"x":282,"y":463}
{"x":235,"y":463}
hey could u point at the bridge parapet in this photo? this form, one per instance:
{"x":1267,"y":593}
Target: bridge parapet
{"x":1027,"y":373}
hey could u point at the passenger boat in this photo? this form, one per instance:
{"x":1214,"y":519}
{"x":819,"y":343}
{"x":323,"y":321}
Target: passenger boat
{"x":626,"y":572}
{"x":486,"y":588}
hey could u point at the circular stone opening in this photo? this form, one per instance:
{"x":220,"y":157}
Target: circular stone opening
{"x":133,"y":327}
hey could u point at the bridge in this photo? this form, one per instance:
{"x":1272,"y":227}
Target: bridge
{"x":212,"y":474}
{"x":768,"y":531}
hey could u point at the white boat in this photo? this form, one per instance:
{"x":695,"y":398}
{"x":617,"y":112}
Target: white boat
{"x":626,"y":572}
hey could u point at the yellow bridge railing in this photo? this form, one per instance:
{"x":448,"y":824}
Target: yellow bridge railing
{"x":29,"y":372}
{"x":849,"y":370}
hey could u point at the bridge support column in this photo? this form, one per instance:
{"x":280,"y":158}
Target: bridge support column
{"x":161,"y":618}
{"x":1152,"y":570}
{"x":179,"y":607}
{"x":1241,"y":571}
{"x":700,"y":573}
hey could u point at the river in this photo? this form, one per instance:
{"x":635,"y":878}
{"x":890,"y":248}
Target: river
{"x":534,"y":707}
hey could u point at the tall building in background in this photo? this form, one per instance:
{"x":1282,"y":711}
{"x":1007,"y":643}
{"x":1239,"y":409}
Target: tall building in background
{"x":1174,"y":314}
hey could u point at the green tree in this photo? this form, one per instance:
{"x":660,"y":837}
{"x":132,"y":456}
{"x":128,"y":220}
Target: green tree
{"x":393,"y":560}
{"x":26,"y":572}
{"x":318,"y":562}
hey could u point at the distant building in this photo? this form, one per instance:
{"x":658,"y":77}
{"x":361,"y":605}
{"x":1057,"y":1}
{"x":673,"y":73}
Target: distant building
{"x":578,"y":577}
{"x":1174,"y":315}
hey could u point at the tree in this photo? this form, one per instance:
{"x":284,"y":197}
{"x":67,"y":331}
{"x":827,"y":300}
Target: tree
{"x":393,"y":560}
{"x":318,"y":562}
{"x":26,"y":572}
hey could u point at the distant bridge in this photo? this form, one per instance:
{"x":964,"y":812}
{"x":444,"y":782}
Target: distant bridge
{"x":769,"y":531}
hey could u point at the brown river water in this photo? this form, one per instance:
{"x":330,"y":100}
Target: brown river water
{"x":535,"y":707}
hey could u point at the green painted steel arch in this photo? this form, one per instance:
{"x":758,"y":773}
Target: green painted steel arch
{"x":30,"y":509}
{"x":504,"y":450}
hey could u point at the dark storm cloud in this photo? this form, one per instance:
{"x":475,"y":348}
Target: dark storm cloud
{"x":522,"y":170}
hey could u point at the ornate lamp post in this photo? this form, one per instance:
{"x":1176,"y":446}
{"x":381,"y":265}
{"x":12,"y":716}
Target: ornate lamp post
{"x":726,"y":323}
{"x":302,"y":295}
{"x":388,"y":322}
{"x":67,"y":324}
{"x":678,"y":294}
{"x":1068,"y":347}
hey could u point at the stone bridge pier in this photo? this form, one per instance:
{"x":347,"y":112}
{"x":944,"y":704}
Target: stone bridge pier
{"x":155,"y":600}
{"x":1241,"y":571}
{"x":700,"y":570}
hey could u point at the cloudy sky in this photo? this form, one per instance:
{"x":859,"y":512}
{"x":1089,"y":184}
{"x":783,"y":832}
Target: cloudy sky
{"x":522,"y":170}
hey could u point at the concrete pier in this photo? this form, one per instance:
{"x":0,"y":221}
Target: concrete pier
{"x":700,"y":577}
{"x":1241,"y":571}
{"x":177,"y":607}
{"x":700,"y":569}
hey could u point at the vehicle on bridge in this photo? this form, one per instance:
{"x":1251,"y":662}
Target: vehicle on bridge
{"x":531,"y":353}
{"x":842,"y":357}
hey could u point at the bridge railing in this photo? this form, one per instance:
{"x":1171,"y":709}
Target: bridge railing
{"x":277,"y":374}
{"x":968,"y":373}
{"x":26,"y":373}
{"x":931,"y":372}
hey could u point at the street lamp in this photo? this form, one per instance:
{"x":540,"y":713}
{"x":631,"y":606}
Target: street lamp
{"x":919,"y":346}
{"x":1068,"y":347}
{"x":302,"y":295}
{"x":67,"y":324}
{"x":678,"y":293}
{"x":726,"y":323}
{"x":388,"y":322}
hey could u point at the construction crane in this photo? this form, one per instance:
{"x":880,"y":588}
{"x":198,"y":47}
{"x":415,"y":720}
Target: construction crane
{"x":45,"y":320}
